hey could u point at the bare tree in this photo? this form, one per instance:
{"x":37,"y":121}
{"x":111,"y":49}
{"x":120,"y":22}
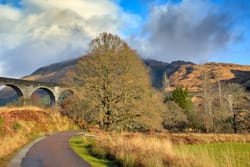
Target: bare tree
{"x":238,"y":105}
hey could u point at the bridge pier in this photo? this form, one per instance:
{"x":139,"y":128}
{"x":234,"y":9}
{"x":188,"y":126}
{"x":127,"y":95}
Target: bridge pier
{"x":26,"y":101}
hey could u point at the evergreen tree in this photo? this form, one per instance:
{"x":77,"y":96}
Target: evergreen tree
{"x":182,"y":98}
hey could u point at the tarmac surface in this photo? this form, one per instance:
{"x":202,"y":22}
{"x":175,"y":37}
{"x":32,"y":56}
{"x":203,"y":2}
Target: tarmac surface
{"x":54,"y":151}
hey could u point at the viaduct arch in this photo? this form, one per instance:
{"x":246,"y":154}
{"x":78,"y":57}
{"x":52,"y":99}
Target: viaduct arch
{"x":25,"y":88}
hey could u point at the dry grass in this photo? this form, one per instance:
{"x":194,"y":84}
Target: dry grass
{"x":13,"y":108}
{"x":154,"y":150}
{"x":10,"y":143}
{"x":21,"y":125}
{"x":135,"y":149}
{"x":197,"y":138}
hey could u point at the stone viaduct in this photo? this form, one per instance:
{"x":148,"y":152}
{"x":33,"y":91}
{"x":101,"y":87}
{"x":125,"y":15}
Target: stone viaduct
{"x":25,"y":88}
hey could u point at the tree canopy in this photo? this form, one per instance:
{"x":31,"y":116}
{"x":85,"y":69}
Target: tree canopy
{"x":114,"y":83}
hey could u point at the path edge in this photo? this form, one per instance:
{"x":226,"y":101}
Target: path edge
{"x":17,"y":160}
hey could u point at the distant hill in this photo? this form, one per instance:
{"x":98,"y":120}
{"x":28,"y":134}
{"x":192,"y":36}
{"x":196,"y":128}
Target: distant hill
{"x":158,"y":69}
{"x":56,"y":72}
{"x":52,"y":73}
{"x":163,"y":74}
{"x":192,"y":75}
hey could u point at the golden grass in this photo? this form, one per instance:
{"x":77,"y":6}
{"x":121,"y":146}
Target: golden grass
{"x":10,"y":143}
{"x":136,"y":149}
{"x":157,"y":150}
{"x":21,"y":108}
{"x":198,"y":138}
{"x":38,"y":122}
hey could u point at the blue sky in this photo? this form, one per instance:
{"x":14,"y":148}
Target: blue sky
{"x":36,"y":33}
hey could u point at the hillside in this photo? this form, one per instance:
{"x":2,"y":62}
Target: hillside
{"x":178,"y":73}
{"x":52,"y":73}
{"x":21,"y":125}
{"x":56,"y":72}
{"x":158,"y":69}
{"x":193,"y":76}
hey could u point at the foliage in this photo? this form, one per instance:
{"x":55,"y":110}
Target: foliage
{"x":16,"y":126}
{"x":114,"y":86}
{"x":175,"y":119}
{"x":182,"y":98}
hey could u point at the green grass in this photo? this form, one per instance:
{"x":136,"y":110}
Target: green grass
{"x":82,"y":148}
{"x":222,"y":154}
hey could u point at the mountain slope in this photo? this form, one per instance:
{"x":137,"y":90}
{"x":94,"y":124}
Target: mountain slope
{"x":56,"y":72}
{"x":167,"y":75}
{"x":53,"y":73}
{"x":158,"y":69}
{"x":193,"y":76}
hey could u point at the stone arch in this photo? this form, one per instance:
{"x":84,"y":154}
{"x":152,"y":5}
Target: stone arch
{"x":49,"y":92}
{"x":64,"y":94}
{"x":16,"y":89}
{"x":15,"y":94}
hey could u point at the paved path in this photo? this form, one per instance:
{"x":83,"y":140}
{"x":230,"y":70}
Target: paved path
{"x":54,"y":151}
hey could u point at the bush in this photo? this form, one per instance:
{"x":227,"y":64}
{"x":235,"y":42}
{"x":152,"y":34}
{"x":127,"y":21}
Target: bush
{"x":175,"y":119}
{"x":16,"y":126}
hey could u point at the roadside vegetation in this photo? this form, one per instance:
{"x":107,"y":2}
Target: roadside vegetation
{"x":20,"y":125}
{"x":159,"y":150}
{"x":83,"y":146}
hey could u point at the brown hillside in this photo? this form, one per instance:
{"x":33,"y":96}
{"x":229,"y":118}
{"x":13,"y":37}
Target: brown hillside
{"x":193,"y":76}
{"x":178,"y":73}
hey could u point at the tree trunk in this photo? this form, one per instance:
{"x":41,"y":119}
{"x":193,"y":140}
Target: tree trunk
{"x":234,"y":123}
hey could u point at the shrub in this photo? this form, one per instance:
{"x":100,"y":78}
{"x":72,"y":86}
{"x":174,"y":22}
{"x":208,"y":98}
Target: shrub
{"x":16,"y":126}
{"x":175,"y":119}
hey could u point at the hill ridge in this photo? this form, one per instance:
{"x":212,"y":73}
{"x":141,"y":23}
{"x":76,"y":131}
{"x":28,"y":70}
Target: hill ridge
{"x":163,"y":74}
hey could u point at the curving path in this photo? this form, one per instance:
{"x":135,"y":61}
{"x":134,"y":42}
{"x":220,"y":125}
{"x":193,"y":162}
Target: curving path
{"x":54,"y":151}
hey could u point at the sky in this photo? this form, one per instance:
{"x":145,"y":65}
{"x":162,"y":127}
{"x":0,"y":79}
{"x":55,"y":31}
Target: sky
{"x":36,"y":33}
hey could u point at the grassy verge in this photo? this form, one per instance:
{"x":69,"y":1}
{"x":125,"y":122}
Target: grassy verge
{"x":147,"y":150}
{"x":82,"y":147}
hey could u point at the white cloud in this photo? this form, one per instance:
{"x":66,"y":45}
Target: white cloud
{"x":46,"y":31}
{"x":8,"y":12}
{"x":190,"y":30}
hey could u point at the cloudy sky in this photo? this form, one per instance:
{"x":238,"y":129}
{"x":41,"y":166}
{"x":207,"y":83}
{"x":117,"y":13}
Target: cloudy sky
{"x":35,"y":33}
